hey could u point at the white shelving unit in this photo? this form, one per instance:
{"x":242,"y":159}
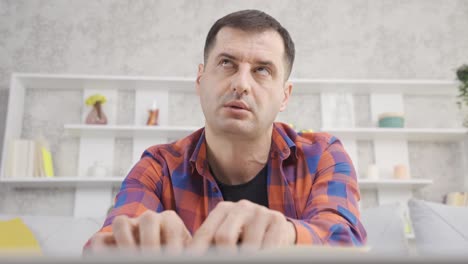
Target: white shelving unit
{"x":390,"y":145}
{"x":97,"y":142}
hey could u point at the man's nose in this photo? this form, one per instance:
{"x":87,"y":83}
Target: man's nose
{"x":241,"y":82}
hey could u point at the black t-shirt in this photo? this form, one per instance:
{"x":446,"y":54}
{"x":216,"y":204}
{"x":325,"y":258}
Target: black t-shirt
{"x":255,"y":190}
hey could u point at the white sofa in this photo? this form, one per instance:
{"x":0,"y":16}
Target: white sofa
{"x":65,"y":236}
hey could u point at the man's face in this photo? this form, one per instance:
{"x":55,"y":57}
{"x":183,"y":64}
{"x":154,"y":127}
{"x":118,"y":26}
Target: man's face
{"x":242,"y":86}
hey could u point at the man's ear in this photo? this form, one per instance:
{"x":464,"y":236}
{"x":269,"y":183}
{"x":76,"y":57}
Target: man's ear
{"x":199,"y":75}
{"x":287,"y":90}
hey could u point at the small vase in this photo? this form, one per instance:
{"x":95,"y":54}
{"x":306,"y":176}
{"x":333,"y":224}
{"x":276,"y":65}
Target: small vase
{"x":96,"y":116}
{"x":153,"y":116}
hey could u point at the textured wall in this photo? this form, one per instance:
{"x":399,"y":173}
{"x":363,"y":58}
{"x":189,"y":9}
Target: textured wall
{"x":3,"y":111}
{"x":443,"y":165}
{"x":309,"y":108}
{"x":334,"y":39}
{"x":185,"y":110}
{"x":432,"y":111}
{"x":422,"y":39}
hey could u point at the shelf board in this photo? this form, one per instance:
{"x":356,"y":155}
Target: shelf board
{"x":366,"y":184}
{"x":116,"y":181}
{"x":171,"y":132}
{"x":70,"y":81}
{"x":62,"y":182}
{"x":187,"y":84}
{"x":366,"y":86}
{"x":410,"y":134}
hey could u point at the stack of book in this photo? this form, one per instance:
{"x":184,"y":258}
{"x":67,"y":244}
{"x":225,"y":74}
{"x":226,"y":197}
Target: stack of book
{"x":457,"y":199}
{"x":28,"y":158}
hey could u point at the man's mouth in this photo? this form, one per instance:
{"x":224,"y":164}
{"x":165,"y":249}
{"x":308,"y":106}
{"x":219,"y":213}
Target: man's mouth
{"x":237,"y":105}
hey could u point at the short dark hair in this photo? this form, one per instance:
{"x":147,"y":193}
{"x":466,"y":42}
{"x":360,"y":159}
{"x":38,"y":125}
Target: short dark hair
{"x":252,"y":21}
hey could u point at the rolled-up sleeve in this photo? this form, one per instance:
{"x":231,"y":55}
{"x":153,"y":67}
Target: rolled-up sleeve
{"x":331,"y":215}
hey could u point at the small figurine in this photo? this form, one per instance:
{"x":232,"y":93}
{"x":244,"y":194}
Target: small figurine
{"x":96,"y":116}
{"x":153,"y":115}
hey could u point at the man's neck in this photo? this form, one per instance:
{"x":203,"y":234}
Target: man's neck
{"x":235,"y":161}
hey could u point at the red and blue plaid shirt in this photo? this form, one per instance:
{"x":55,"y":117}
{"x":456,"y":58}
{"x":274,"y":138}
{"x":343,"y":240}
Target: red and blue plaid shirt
{"x":311,"y":180}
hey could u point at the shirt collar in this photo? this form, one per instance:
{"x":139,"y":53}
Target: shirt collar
{"x":283,"y":138}
{"x":282,"y":143}
{"x":198,"y":158}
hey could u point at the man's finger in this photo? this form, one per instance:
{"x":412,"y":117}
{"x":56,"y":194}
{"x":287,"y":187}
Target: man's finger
{"x":254,"y":232}
{"x":203,"y":238}
{"x":229,"y":232}
{"x":174,"y":234}
{"x":149,"y":231}
{"x":102,"y":243}
{"x":123,"y":229}
{"x":274,"y":236}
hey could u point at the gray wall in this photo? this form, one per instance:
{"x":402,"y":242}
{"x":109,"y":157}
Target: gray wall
{"x":334,"y":39}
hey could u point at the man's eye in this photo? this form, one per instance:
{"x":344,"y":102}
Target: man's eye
{"x":262,"y":70}
{"x":226,"y":62}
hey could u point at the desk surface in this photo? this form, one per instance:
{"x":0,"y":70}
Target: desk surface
{"x":285,"y":255}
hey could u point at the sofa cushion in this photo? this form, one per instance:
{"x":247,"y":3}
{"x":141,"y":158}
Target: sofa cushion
{"x":60,"y":235}
{"x":16,"y":236}
{"x":440,"y":229}
{"x":385,"y":229}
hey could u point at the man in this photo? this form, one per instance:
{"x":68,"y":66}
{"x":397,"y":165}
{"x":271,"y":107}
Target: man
{"x":242,"y":180}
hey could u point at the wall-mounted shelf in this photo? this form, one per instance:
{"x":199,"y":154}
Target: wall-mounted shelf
{"x":128,"y":131}
{"x":63,"y":181}
{"x":367,"y":86}
{"x":410,"y":134}
{"x":64,"y":81}
{"x":301,"y":86}
{"x":366,"y":184}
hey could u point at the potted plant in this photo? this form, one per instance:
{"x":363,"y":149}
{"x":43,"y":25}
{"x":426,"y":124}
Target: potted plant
{"x":462,"y":76}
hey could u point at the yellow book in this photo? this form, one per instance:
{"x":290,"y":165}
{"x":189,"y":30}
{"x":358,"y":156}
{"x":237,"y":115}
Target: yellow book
{"x":47,"y":161}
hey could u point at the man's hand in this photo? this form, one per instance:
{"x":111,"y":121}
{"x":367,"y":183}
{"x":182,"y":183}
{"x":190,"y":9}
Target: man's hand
{"x":245,"y":223}
{"x":146,"y":233}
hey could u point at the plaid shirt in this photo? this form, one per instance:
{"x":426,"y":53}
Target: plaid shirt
{"x":311,"y":180}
